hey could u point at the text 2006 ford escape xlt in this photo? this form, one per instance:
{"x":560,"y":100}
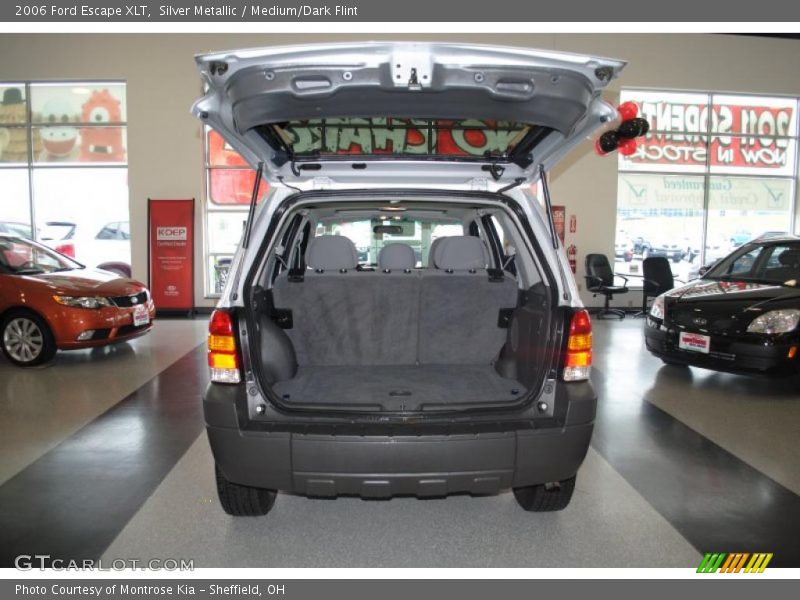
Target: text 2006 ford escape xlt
{"x":400,"y":318}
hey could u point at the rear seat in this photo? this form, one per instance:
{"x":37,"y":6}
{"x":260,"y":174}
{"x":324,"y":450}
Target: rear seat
{"x":460,"y":305}
{"x":342,"y":316}
{"x":395,"y":315}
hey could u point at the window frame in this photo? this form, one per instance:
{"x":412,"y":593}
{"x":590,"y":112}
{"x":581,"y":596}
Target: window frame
{"x":709,"y":172}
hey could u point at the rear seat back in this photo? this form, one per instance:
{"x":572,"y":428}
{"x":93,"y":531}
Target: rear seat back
{"x":460,"y":305}
{"x":342,"y":316}
{"x":396,"y":315}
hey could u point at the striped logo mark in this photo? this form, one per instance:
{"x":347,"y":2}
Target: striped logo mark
{"x":735,"y":562}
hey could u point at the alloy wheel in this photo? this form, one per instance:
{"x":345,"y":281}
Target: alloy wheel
{"x":23,"y":339}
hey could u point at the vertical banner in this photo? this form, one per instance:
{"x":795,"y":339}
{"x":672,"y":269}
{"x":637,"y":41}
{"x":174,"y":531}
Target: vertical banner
{"x":171,"y":250}
{"x":559,"y":218}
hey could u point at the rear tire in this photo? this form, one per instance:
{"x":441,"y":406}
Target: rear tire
{"x":26,"y":339}
{"x":546,"y":497}
{"x":243,"y":500}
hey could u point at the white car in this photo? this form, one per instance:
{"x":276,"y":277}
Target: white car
{"x":106,"y":247}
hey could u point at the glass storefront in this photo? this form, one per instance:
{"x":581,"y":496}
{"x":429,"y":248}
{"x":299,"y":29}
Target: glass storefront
{"x":714,"y":172}
{"x":63,"y":168}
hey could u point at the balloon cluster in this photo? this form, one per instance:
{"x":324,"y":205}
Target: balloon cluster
{"x":623,"y":138}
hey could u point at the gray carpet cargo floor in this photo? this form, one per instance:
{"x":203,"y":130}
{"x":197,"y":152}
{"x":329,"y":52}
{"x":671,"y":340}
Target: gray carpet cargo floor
{"x":403,"y":387}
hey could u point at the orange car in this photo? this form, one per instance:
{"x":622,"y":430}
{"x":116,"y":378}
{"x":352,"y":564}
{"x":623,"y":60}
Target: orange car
{"x":49,"y":302}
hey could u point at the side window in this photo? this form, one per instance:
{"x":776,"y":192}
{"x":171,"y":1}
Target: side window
{"x":109,"y":232}
{"x":745,"y":263}
{"x":125,"y":230}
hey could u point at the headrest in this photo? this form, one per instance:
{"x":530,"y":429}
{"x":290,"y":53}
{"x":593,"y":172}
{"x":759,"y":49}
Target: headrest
{"x":331,"y":253}
{"x":461,"y":253}
{"x":789,"y":257}
{"x":397,"y":257}
{"x":435,"y":246}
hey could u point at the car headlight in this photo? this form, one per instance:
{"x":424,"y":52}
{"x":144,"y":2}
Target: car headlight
{"x":657,"y":308}
{"x":83,"y":301}
{"x":775,"y":321}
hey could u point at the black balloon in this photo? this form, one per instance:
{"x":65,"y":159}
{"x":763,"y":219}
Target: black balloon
{"x":609,"y":141}
{"x":633,"y":128}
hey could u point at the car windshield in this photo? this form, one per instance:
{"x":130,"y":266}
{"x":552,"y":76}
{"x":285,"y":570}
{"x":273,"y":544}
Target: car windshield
{"x":370,"y":235}
{"x":24,"y":257}
{"x":773,"y":263}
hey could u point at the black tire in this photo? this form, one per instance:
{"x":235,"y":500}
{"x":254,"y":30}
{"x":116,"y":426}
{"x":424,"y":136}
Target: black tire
{"x":546,"y":497}
{"x":39,"y":331}
{"x":243,"y":500}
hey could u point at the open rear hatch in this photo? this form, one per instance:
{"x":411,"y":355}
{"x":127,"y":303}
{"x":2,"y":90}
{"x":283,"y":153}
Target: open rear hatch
{"x":335,"y":110}
{"x":391,"y":116}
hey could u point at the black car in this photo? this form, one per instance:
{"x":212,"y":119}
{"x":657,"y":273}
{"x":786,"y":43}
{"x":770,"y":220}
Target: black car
{"x":742,"y":316}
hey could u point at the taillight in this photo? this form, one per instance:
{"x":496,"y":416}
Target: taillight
{"x":223,"y":356}
{"x":66,"y":249}
{"x":578,"y":361}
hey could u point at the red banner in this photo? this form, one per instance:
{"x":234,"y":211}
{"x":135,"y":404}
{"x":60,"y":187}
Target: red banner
{"x":171,"y":235}
{"x":752,"y":136}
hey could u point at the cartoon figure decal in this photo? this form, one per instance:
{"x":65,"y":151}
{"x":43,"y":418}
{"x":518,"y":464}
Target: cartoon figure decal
{"x":14,"y":140}
{"x":59,"y":142}
{"x":101,"y":144}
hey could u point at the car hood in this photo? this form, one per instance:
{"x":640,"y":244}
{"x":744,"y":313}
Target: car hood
{"x":255,"y":96}
{"x":727,"y":305}
{"x":88,"y":282}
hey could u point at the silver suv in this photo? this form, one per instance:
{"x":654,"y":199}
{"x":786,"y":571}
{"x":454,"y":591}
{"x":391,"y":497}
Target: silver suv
{"x":454,"y":356}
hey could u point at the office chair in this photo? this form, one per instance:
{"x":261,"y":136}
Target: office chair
{"x":657,"y":279}
{"x":600,"y":280}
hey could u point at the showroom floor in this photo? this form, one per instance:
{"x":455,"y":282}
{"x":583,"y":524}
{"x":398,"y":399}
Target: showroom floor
{"x":103,"y":454}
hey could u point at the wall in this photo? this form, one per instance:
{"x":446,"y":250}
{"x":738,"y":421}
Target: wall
{"x":165,"y":142}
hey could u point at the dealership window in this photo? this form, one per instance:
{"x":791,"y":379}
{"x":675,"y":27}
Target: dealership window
{"x":715,"y":171}
{"x":229,"y":186}
{"x":63,"y":168}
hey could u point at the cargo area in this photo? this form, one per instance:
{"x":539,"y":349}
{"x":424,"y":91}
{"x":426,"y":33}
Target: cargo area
{"x":378,"y":331}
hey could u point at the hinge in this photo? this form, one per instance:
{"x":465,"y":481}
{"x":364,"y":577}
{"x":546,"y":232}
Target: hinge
{"x":322,"y":183}
{"x":479,"y":184}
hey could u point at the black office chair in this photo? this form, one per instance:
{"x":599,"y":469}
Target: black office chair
{"x":600,"y":280}
{"x":657,"y":278}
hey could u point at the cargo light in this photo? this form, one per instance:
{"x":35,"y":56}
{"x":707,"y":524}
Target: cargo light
{"x":578,"y":362}
{"x":223,"y":356}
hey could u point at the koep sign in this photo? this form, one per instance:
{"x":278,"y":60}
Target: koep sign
{"x":172,"y":254}
{"x":172,"y":234}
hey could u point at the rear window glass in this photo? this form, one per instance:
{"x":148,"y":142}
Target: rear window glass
{"x":405,"y":137}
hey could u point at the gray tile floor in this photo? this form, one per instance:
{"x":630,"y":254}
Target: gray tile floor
{"x":756,"y":419}
{"x":607,"y":524}
{"x":41,"y":407}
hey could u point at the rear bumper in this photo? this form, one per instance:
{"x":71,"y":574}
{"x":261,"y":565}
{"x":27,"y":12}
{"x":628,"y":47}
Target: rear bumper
{"x":381,"y":466}
{"x":725,"y":355}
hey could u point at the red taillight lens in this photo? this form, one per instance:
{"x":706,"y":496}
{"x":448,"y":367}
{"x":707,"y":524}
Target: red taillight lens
{"x":578,"y":361}
{"x":223,"y":355}
{"x":66,"y":249}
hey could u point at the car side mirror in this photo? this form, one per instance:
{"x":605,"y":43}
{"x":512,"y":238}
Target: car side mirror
{"x":703,"y":270}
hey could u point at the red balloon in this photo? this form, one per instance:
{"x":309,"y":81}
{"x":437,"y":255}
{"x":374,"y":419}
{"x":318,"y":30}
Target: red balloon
{"x":628,"y":110}
{"x":628,"y":146}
